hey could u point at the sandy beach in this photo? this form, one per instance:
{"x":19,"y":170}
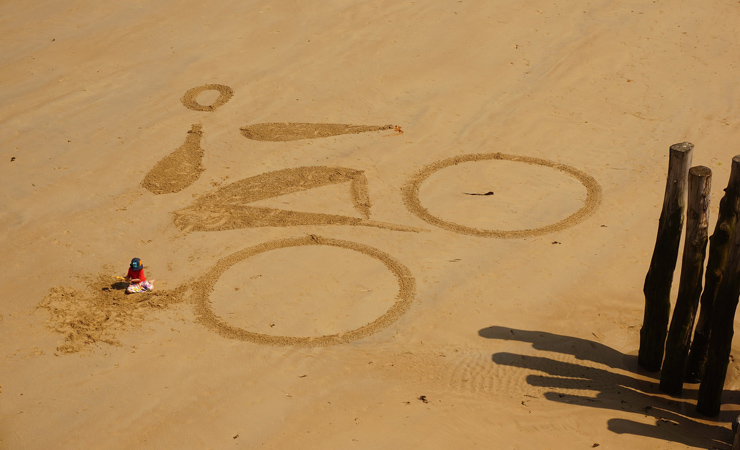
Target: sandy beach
{"x":371,"y":225}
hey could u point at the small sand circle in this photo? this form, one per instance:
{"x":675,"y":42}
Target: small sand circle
{"x":410,"y":194}
{"x":190,"y":99}
{"x":204,"y":286}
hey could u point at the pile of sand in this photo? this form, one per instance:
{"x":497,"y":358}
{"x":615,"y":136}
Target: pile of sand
{"x":96,"y":314}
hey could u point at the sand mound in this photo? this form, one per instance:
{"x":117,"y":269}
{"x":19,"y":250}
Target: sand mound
{"x":95,"y":315}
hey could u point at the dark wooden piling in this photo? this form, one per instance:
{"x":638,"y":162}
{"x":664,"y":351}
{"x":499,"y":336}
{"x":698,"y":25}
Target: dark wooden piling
{"x":658,"y":281}
{"x":689,"y":290}
{"x":719,"y":244}
{"x":720,"y":333}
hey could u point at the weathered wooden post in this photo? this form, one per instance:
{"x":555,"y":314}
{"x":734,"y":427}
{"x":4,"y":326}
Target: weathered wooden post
{"x":689,"y":290}
{"x":658,"y":281}
{"x":719,"y":244}
{"x":720,"y":333}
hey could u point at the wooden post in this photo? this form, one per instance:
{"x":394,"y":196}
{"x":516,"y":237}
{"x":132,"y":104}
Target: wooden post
{"x":658,"y":281}
{"x":719,"y":244}
{"x":689,"y":290}
{"x":720,"y":334}
{"x":721,"y":327}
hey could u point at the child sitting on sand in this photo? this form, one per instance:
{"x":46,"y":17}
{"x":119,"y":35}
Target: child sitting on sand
{"x":136,"y":277}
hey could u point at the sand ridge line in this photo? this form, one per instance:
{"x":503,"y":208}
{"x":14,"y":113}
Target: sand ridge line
{"x":96,"y":314}
{"x":410,"y":194}
{"x":228,"y":208}
{"x":190,"y":99}
{"x":462,"y":371}
{"x":179,"y":169}
{"x":291,"y":131}
{"x":205,"y":284}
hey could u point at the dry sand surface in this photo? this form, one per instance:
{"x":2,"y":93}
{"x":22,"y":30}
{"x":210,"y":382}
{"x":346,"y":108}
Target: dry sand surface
{"x":379,"y":224}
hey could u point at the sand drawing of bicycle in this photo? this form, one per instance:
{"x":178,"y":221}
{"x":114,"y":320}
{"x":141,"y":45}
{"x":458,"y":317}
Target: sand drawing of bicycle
{"x":232,"y":207}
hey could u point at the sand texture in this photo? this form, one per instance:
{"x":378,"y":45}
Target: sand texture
{"x":371,"y":225}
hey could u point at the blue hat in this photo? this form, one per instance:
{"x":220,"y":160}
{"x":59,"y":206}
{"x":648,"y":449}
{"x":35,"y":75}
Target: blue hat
{"x":136,"y":264}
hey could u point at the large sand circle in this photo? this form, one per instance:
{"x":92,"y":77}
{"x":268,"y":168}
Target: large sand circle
{"x":304,"y":291}
{"x":497,"y":195}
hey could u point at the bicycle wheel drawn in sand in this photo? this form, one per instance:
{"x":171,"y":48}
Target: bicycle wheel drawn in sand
{"x":228,"y":207}
{"x":205,"y":284}
{"x":181,"y":168}
{"x":410,"y":193}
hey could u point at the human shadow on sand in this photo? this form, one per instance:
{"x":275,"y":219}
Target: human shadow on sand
{"x":117,"y":286}
{"x":675,"y":418}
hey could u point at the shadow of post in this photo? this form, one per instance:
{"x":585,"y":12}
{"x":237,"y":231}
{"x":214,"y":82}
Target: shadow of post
{"x":675,"y":418}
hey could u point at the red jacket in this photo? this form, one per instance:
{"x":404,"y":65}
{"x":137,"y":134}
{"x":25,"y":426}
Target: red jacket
{"x":136,"y":274}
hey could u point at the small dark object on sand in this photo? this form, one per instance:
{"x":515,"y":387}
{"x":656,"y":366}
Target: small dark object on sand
{"x":487,"y":193}
{"x":423,"y":398}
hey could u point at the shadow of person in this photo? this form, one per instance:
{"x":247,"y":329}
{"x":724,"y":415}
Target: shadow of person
{"x":117,"y":286}
{"x":596,"y":387}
